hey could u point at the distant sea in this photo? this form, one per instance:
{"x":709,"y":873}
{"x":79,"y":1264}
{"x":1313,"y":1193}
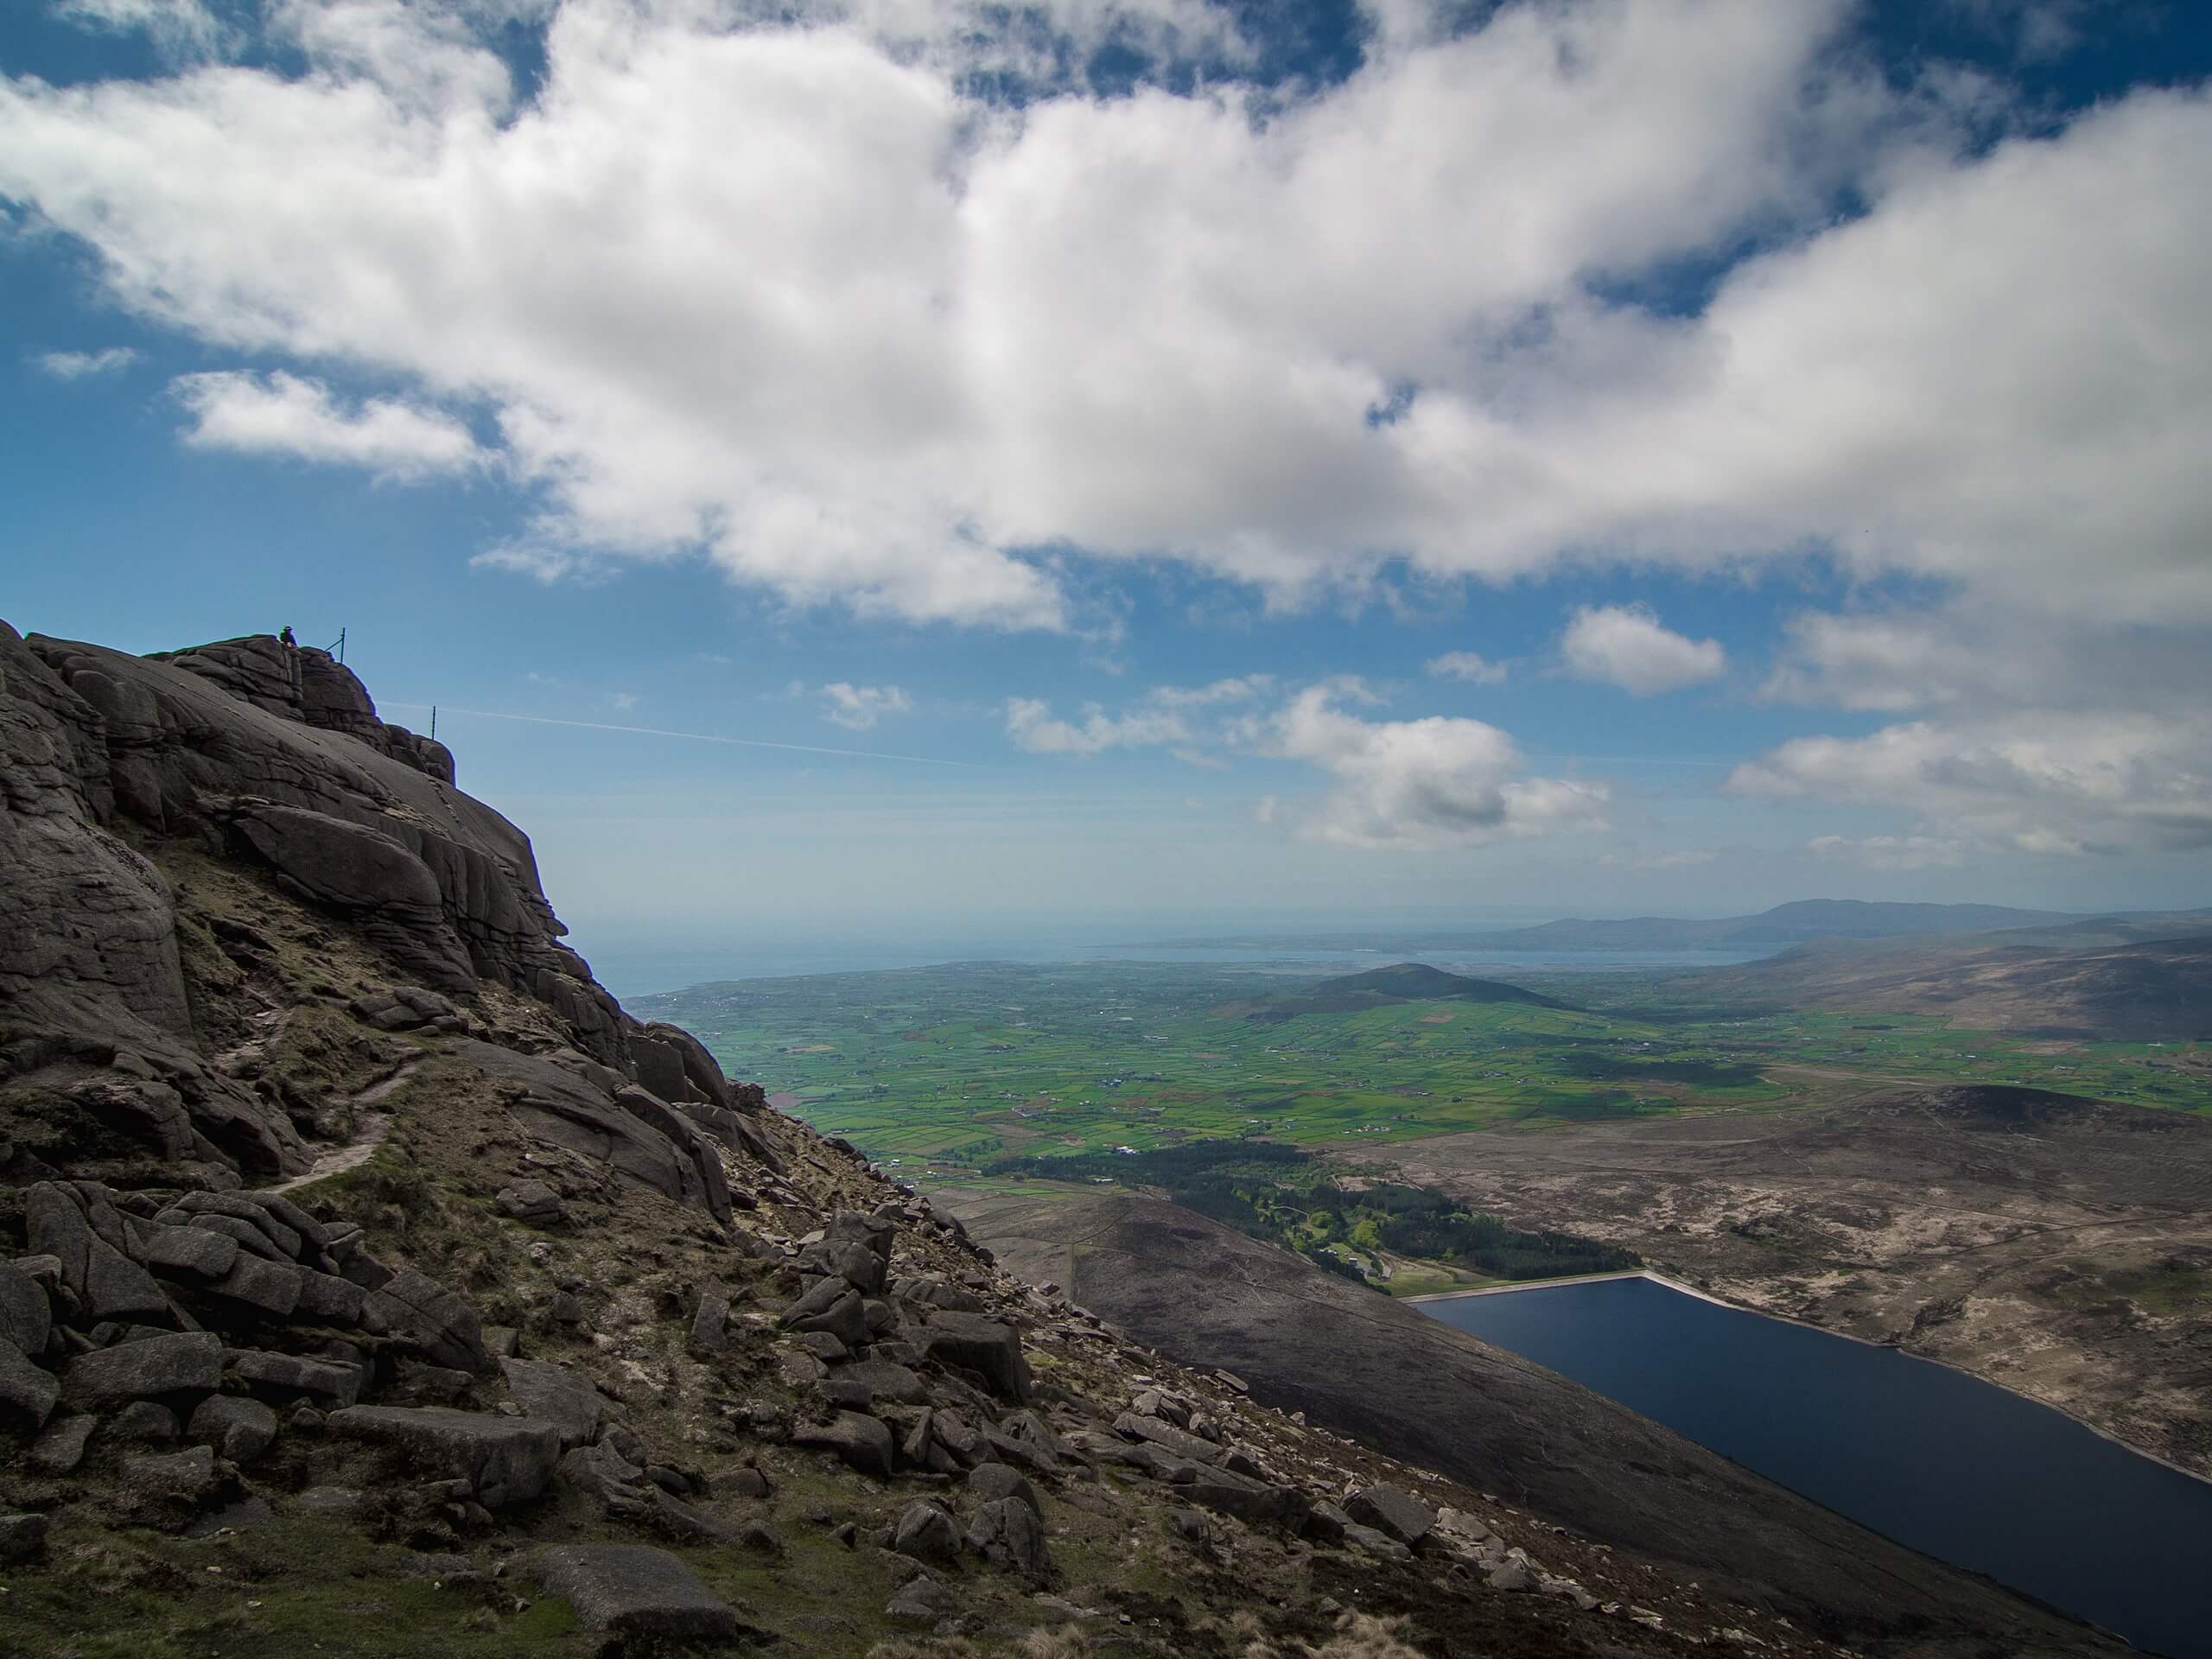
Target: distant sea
{"x":639,"y":969}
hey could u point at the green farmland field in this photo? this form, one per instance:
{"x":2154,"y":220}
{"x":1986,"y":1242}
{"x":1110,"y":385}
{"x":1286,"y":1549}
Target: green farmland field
{"x":942,"y":1072}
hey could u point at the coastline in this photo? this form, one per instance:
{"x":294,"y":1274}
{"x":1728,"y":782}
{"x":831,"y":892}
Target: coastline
{"x":1658,"y":1277}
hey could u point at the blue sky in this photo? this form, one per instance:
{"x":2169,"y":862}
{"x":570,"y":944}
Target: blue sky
{"x":1159,"y":461}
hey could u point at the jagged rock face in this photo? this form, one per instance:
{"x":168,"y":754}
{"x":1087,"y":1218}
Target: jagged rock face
{"x":274,"y":757}
{"x":308,"y":686}
{"x":88,"y":949}
{"x":226,"y":739}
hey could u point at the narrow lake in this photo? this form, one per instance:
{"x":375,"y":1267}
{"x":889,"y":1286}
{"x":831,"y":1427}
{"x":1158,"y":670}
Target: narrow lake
{"x":1936,"y":1459}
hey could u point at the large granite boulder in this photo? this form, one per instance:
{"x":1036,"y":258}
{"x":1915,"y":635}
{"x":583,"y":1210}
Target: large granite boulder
{"x":993,"y":1481}
{"x":862,"y":1441}
{"x":27,"y":1392}
{"x":1252,"y":1501}
{"x":149,"y":1369}
{"x":556,"y":1106}
{"x":855,"y":1247}
{"x":184,"y":1251}
{"x":444,"y":1326}
{"x":549,"y":1394}
{"x":1008,"y":1533}
{"x":504,"y":1459}
{"x":326,"y":1382}
{"x":368,"y":877}
{"x":702,"y":1172}
{"x":986,"y":1346}
{"x":272,"y":1287}
{"x":239,"y":1430}
{"x":87,"y":1235}
{"x":925,"y":1532}
{"x":171,"y":1483}
{"x":26,"y":1311}
{"x":843,"y":1317}
{"x":1188,"y":1447}
{"x":696,"y":1076}
{"x":636,"y":1591}
{"x":1392,"y":1510}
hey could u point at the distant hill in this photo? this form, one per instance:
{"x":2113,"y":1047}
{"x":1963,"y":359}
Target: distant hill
{"x":1792,"y":923}
{"x":1797,"y":922}
{"x":2159,"y":989}
{"x":1404,"y":982}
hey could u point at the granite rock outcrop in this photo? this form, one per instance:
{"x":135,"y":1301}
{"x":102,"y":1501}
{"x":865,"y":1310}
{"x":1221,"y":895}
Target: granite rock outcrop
{"x":112,"y":766}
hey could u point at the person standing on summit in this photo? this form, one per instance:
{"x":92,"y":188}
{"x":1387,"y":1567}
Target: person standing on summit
{"x":284,"y":636}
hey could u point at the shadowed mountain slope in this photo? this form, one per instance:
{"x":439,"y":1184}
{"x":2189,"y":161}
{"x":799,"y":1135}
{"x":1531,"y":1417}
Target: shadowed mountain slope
{"x":1378,"y":1370}
{"x":2157,"y":989}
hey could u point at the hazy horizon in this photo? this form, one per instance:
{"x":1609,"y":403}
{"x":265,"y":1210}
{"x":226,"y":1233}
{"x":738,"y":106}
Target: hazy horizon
{"x":634,"y":961}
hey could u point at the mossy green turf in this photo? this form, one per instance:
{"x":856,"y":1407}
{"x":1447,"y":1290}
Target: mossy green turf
{"x":942,"y":1069}
{"x":272,"y":1593}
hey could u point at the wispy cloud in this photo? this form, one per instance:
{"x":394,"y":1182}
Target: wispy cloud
{"x":859,"y":708}
{"x":1030,"y":722}
{"x":79,"y":365}
{"x":1242,"y":688}
{"x":1683,"y":858}
{"x":1468,"y":666}
{"x":179,"y":29}
{"x":1891,"y":853}
{"x":448,"y":710}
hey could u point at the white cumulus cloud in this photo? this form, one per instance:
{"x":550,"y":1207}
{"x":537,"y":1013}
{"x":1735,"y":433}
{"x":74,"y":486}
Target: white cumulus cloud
{"x":1626,"y":645}
{"x":778,"y":289}
{"x":2042,"y":782}
{"x":1425,"y":784}
{"x":281,"y":414}
{"x":859,"y":708}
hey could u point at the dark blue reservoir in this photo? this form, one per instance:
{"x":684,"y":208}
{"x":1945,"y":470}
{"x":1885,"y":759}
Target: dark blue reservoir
{"x":1942,"y":1461}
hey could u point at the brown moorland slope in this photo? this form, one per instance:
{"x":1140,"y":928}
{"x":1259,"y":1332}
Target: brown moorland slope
{"x":1384,"y":1373}
{"x":2156,"y":990}
{"x":2060,"y":1247}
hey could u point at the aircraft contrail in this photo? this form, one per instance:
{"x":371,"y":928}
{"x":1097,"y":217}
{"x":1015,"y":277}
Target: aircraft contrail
{"x":696,"y":737}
